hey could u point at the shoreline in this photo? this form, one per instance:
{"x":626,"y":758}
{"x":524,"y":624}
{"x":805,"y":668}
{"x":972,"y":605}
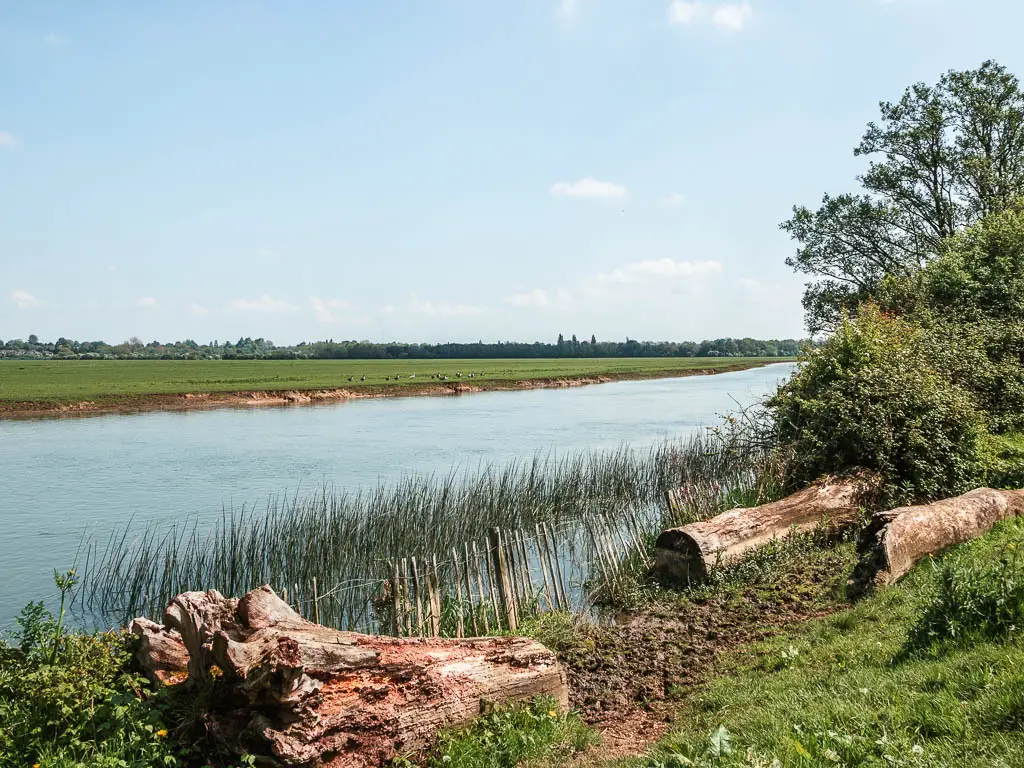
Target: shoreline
{"x":188,"y":401}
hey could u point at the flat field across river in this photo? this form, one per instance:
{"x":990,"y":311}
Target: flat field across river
{"x":33,"y":387}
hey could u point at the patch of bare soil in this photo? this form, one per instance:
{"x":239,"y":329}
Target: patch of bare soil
{"x":628,"y":678}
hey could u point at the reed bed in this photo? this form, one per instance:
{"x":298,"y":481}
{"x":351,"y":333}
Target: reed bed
{"x":346,"y":542}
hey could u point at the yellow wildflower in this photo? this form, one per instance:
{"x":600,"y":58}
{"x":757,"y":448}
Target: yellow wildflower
{"x":162,"y":733}
{"x":552,"y":713}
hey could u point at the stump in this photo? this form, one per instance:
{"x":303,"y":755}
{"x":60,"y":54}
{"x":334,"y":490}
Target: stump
{"x":686,"y":555}
{"x":296,"y":693}
{"x":897,"y":539}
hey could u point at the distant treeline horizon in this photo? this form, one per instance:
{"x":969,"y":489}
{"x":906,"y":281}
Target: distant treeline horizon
{"x":247,"y":348}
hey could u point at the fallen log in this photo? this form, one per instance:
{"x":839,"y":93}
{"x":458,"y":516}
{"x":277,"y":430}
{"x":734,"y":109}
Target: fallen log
{"x":295,"y":693}
{"x":897,"y":539}
{"x":686,"y":555}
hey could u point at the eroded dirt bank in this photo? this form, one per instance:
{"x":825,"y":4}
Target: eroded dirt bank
{"x":270,"y":397}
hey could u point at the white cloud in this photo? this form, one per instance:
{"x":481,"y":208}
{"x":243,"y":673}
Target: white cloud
{"x":443,"y":309}
{"x":264,"y":303}
{"x":325,"y":308}
{"x":681,"y":12}
{"x":145,"y":301}
{"x":730,"y":16}
{"x":53,"y":40}
{"x":8,"y":140}
{"x":197,"y":309}
{"x":588,"y":187}
{"x":534,"y":298}
{"x":661,"y":269}
{"x":569,"y":9}
{"x":675,"y":200}
{"x":24,"y":299}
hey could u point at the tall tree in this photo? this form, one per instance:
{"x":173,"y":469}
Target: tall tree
{"x":941,"y":158}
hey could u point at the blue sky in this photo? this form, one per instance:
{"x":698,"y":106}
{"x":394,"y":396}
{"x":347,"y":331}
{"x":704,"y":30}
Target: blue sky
{"x":444,"y":170}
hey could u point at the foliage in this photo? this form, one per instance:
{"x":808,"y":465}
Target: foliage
{"x":871,"y":398}
{"x":970,"y":302}
{"x":943,"y":157}
{"x":1005,"y":461}
{"x":508,"y":737}
{"x":972,"y":601}
{"x":79,"y":707}
{"x":839,"y":691}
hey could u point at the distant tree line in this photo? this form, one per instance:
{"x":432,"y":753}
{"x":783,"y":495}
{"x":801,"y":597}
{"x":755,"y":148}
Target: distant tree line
{"x":254,"y":349}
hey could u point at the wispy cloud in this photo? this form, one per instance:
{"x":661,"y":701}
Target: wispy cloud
{"x":325,"y":308}
{"x":145,"y":301}
{"x":534,"y":298}
{"x":53,"y":40}
{"x":587,"y":187}
{"x":8,"y":140}
{"x":729,"y":16}
{"x":197,"y":309}
{"x":24,"y":299}
{"x":264,"y":303}
{"x":659,"y":269}
{"x":675,"y":200}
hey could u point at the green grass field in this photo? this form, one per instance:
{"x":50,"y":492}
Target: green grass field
{"x":78,"y":380}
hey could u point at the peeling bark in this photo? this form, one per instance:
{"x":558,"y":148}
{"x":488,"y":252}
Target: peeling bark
{"x":295,"y":693}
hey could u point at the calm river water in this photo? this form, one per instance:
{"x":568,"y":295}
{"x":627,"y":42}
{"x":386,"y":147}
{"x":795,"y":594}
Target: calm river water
{"x":63,"y":478}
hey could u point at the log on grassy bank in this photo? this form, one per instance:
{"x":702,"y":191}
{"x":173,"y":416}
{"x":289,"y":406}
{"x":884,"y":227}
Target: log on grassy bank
{"x":686,"y":555}
{"x":897,"y":539}
{"x":296,"y":693}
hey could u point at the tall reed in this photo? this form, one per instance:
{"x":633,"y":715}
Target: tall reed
{"x":347,"y":539}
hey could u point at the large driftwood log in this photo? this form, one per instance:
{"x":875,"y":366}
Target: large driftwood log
{"x":296,"y":693}
{"x":687,"y":554}
{"x":897,"y":539}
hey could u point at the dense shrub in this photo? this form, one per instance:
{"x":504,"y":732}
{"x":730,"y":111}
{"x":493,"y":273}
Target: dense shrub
{"x":78,"y":706}
{"x":871,"y":397}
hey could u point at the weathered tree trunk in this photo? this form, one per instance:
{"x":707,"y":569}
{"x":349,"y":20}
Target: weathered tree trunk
{"x":299,"y":694}
{"x":686,"y":555}
{"x":897,"y":539}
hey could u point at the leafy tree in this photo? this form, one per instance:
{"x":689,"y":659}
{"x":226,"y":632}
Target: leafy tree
{"x":942,"y":157}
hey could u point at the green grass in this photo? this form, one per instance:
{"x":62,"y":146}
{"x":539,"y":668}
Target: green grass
{"x":853,"y":690}
{"x":78,"y":380}
{"x":535,"y":735}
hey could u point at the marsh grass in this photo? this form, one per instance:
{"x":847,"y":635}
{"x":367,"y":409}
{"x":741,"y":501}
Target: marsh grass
{"x":347,"y":540}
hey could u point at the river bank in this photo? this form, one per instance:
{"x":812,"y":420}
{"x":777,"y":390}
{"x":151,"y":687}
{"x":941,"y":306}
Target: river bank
{"x":124,"y":403}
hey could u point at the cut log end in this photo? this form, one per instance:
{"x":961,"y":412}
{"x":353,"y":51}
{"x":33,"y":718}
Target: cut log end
{"x":307,"y":695}
{"x":896,"y":540}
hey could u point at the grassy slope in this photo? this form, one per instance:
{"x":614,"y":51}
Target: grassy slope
{"x":838,"y":691}
{"x":77,"y":380}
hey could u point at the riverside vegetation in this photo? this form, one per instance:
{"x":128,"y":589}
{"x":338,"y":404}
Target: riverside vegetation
{"x":921,"y":287}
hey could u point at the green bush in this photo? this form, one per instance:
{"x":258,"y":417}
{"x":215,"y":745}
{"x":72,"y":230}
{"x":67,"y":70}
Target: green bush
{"x":872,"y":398}
{"x":972,"y":600}
{"x":78,"y":706}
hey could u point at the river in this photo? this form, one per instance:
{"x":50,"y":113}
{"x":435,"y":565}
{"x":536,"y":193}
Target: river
{"x":63,"y":478}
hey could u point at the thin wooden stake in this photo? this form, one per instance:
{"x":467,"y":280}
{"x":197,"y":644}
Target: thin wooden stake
{"x":527,"y":574}
{"x":480,"y":585}
{"x":544,"y":570}
{"x":316,"y":603}
{"x":560,"y":580}
{"x":501,"y":570}
{"x":469,"y":591}
{"x":395,"y":604}
{"x":407,"y":609}
{"x":417,"y":597}
{"x":298,"y":605}
{"x":492,"y":586}
{"x":459,"y":630}
{"x":435,"y":599}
